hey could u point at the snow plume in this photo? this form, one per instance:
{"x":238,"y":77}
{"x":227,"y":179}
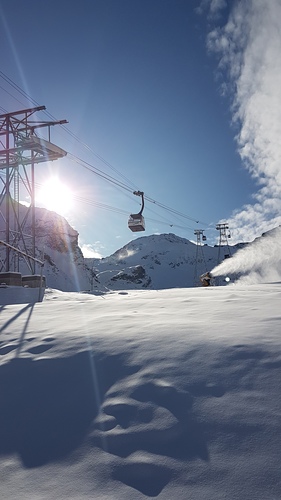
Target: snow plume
{"x":258,"y":262}
{"x":249,"y":47}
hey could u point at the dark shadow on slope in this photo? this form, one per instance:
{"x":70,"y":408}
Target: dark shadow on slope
{"x":26,"y":309}
{"x":21,"y":340}
{"x":177,"y":402}
{"x":17,"y":315}
{"x":46,"y":406}
{"x":184,"y":439}
{"x":148,"y":478}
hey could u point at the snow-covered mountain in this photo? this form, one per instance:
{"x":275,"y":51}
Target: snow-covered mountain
{"x":149,"y":262}
{"x":56,"y":243}
{"x":155,"y":262}
{"x":64,"y":266}
{"x":152,"y":262}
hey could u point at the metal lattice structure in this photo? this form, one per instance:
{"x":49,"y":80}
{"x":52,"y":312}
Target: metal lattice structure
{"x":200,"y":238}
{"x":20,"y":150}
{"x":223,"y":246}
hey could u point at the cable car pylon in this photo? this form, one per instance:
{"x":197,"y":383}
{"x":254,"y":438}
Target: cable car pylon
{"x":136,"y":222}
{"x":199,"y":233}
{"x":224,"y":231}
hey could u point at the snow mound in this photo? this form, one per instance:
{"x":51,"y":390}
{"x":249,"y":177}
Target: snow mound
{"x":142,"y":394}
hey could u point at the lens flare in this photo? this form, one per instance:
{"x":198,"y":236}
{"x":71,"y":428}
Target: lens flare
{"x":55,"y":196}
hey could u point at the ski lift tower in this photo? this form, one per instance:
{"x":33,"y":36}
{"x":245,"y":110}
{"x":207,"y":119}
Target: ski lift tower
{"x":200,"y":237}
{"x":223,"y":228}
{"x":20,"y":150}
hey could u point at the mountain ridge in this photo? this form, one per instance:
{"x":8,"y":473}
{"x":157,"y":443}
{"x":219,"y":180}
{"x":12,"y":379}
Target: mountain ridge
{"x":157,"y":261}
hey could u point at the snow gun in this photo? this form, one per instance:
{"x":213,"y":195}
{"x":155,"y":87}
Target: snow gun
{"x":206,"y":279}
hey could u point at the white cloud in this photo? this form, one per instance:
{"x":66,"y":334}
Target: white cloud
{"x":213,"y":7}
{"x":249,"y":47}
{"x":91,"y":251}
{"x":217,"y":5}
{"x":25,"y":203}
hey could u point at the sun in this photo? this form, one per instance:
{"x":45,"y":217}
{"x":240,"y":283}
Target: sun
{"x":55,"y":196}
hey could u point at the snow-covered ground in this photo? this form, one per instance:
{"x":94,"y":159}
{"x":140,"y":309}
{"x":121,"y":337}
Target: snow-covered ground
{"x":142,"y":393}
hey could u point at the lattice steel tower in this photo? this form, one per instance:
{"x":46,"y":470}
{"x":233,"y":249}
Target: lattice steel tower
{"x":20,"y":150}
{"x":223,"y":246}
{"x":200,"y":238}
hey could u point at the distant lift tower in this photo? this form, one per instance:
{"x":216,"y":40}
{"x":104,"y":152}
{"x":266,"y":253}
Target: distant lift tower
{"x":223,"y":241}
{"x":20,"y":150}
{"x":200,"y":238}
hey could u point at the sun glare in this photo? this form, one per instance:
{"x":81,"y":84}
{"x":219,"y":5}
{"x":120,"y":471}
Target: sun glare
{"x":55,"y":196}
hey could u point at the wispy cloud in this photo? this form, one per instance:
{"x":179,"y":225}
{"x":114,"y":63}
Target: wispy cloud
{"x":212,"y":7}
{"x":249,"y":48}
{"x":92,"y":251}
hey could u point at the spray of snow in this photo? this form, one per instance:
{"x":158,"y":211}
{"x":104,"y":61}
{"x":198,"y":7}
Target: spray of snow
{"x":248,"y":46}
{"x":125,"y":253}
{"x":260,"y":261}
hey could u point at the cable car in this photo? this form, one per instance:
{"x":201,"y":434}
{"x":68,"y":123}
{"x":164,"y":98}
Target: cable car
{"x":136,"y":221}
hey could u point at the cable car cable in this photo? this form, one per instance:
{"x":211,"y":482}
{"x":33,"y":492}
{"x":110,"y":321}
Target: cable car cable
{"x":95,"y":169}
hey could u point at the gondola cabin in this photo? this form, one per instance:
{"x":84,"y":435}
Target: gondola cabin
{"x":136,"y":222}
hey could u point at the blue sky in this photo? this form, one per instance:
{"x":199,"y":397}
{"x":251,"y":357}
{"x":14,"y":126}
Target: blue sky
{"x":151,"y":90}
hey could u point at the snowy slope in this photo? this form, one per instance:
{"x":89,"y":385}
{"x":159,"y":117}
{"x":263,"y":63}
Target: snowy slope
{"x":64,"y":262}
{"x":141,"y":394}
{"x":168,"y":261}
{"x":150,"y":262}
{"x":56,"y":243}
{"x":154,"y":262}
